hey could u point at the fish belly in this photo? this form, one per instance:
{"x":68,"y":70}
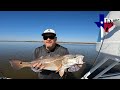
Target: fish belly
{"x":51,"y":66}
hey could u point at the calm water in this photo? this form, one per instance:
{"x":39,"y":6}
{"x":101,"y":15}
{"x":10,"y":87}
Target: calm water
{"x":24,"y":51}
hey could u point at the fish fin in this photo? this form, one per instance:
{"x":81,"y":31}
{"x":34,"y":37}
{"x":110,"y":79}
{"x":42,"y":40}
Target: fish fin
{"x":61,"y":72}
{"x":59,"y":68}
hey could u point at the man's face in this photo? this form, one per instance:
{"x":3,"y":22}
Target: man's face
{"x":49,"y":40}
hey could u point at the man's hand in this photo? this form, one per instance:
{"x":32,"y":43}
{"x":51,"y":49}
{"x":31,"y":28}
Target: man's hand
{"x":74,"y":68}
{"x":37,"y":67}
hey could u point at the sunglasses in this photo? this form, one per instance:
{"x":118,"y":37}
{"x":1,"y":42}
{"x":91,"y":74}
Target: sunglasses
{"x":50,"y":37}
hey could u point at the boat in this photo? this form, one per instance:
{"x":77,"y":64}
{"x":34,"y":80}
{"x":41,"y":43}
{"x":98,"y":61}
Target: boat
{"x":108,"y":47}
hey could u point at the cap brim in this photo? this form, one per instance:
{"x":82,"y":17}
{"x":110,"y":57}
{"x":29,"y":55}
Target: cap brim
{"x":48,"y":33}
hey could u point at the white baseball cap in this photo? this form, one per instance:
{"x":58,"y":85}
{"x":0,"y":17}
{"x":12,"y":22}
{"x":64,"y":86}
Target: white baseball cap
{"x":49,"y":31}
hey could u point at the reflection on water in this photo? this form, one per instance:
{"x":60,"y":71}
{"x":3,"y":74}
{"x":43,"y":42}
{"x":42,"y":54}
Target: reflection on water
{"x":24,"y":51}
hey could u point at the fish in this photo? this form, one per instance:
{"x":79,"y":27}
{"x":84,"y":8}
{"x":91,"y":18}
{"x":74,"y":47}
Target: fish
{"x":57,"y":63}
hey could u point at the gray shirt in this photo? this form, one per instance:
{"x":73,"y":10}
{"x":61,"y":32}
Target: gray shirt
{"x":58,"y":50}
{"x":42,"y":51}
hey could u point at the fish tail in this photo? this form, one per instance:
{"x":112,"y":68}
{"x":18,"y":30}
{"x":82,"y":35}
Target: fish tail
{"x":17,"y":64}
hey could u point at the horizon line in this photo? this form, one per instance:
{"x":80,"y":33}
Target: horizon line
{"x":42,"y":41}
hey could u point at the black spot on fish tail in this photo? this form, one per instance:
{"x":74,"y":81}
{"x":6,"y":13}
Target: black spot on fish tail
{"x":21,"y":62}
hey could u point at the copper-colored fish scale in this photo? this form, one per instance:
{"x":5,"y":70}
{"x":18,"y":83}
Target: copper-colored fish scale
{"x":52,"y":63}
{"x":49,"y":63}
{"x":57,"y":63}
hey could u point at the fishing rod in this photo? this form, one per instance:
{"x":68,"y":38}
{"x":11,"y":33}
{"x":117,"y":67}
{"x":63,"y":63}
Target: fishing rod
{"x":99,"y":50}
{"x":109,"y":25}
{"x":94,"y":62}
{"x":105,"y":33}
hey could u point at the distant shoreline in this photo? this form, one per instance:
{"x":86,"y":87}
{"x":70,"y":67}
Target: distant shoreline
{"x":57,"y":42}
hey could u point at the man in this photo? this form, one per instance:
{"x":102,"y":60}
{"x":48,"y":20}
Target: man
{"x":50,"y":48}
